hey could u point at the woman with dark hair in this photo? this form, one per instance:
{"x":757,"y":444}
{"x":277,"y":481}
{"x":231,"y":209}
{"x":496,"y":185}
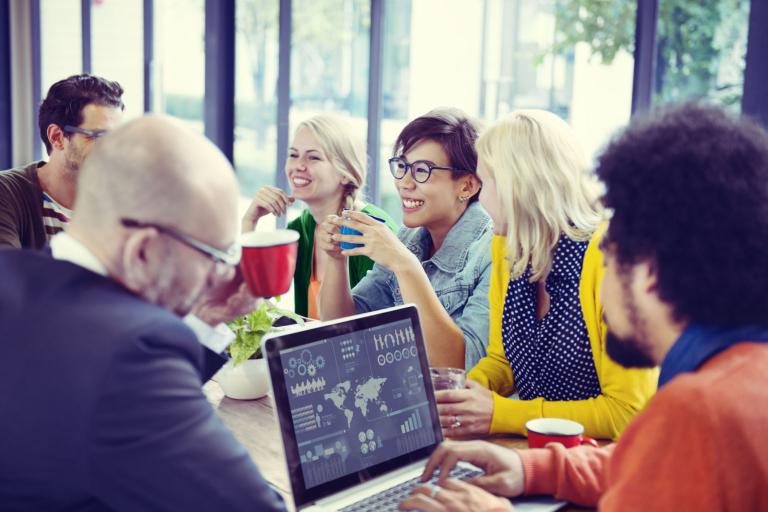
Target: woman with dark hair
{"x":440,"y":260}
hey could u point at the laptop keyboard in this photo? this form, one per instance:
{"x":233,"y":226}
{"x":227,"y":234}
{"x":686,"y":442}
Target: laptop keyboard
{"x":390,"y":499}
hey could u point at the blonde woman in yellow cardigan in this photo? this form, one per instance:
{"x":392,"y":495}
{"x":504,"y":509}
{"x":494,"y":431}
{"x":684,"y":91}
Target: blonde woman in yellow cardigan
{"x":547,"y":336}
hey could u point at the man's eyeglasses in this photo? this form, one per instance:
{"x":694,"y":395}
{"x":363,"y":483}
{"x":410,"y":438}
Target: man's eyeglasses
{"x":91,"y":134}
{"x":230,"y":256}
{"x":421,"y":170}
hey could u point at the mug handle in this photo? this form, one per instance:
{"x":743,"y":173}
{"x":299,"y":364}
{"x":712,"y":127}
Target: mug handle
{"x":590,"y":441}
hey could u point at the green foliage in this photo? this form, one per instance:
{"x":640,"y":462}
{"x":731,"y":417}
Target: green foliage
{"x":696,"y":41}
{"x":250,"y":329}
{"x":607,"y":25}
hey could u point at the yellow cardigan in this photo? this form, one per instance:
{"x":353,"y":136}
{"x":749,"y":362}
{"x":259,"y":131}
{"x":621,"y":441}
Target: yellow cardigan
{"x":624,"y":392}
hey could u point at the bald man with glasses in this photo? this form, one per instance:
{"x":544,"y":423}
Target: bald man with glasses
{"x":108,"y":339}
{"x":36,"y":200}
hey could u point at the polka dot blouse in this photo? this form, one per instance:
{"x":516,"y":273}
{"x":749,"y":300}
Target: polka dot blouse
{"x":551,"y":357}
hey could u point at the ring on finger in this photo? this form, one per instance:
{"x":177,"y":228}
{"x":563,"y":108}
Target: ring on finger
{"x":456,"y":422}
{"x":434,"y":489}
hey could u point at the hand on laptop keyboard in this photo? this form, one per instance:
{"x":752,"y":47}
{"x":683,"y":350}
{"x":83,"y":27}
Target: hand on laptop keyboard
{"x":391,"y":498}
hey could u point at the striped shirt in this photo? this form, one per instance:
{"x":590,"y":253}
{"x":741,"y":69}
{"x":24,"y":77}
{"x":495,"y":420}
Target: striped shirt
{"x":55,"y":216}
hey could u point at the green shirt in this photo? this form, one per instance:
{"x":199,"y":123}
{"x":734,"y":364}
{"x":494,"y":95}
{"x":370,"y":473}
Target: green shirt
{"x":358,"y":265}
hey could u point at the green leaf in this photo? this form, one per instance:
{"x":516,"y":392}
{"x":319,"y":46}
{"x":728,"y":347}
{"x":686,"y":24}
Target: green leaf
{"x":250,"y":329}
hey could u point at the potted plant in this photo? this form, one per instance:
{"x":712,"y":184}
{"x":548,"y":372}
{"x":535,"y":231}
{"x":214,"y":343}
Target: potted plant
{"x":245,"y":376}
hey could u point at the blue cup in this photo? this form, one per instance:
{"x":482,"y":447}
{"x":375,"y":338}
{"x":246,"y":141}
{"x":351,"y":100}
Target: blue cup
{"x":349,"y":231}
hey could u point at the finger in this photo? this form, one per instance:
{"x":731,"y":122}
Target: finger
{"x":335,"y":220}
{"x":353,"y":239}
{"x":450,"y":395}
{"x":448,"y":463}
{"x":447,"y":421}
{"x":357,"y":251}
{"x":419,"y":501}
{"x":435,"y":460}
{"x":454,"y":484}
{"x":473,"y":384}
{"x":354,"y":224}
{"x":495,"y":484}
{"x":329,"y":228}
{"x":360,"y":217}
{"x":452,"y":408}
{"x":458,"y":433}
{"x":277,"y":200}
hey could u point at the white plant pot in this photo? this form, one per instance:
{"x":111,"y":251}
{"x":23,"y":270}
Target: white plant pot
{"x":246,"y":381}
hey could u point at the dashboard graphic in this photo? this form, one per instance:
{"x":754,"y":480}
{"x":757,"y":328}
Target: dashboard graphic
{"x":356,"y":400}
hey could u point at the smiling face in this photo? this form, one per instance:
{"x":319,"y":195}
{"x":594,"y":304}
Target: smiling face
{"x":434,"y":204}
{"x":311,"y":175}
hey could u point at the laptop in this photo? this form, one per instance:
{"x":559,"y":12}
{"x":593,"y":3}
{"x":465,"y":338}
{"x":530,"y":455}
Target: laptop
{"x":356,"y":410}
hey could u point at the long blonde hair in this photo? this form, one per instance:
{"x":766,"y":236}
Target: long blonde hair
{"x":344,"y":150}
{"x":544,"y":186}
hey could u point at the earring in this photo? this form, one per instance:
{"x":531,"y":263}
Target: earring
{"x":462,"y":199}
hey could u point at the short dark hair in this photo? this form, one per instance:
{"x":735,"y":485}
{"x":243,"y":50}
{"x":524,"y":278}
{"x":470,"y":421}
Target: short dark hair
{"x":454,"y":130}
{"x":689,"y":192}
{"x":64,"y":103}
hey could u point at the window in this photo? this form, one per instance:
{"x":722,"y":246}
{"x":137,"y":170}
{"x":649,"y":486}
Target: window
{"x":494,"y":56}
{"x":329,"y":61}
{"x":117,"y":44}
{"x":701,"y":49}
{"x":61,"y":49}
{"x":256,"y":95}
{"x":179,"y":66}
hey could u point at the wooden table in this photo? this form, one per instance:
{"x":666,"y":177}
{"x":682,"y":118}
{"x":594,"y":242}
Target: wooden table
{"x":253,"y":424}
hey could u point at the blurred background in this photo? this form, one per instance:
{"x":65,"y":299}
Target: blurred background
{"x":244,"y":72}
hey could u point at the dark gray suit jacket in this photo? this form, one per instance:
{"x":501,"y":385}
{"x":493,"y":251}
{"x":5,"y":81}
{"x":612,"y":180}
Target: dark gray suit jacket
{"x":101,"y":406}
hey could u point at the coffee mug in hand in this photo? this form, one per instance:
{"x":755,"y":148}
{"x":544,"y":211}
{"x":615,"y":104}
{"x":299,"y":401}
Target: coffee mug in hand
{"x":448,"y":378}
{"x":269,"y":260}
{"x":349,"y":231}
{"x":556,"y":430}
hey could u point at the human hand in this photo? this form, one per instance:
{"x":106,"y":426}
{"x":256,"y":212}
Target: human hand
{"x":502,"y":466}
{"x":379,"y":243}
{"x":267,"y":200}
{"x":465,"y":412}
{"x":454,"y":495}
{"x":324,"y":237}
{"x":228,"y":299}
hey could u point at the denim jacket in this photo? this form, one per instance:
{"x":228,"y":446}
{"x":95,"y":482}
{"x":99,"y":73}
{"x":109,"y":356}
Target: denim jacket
{"x":460,"y":273}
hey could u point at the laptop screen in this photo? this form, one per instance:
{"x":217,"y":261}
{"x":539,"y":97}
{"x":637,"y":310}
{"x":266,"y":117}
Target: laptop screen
{"x":355,"y":395}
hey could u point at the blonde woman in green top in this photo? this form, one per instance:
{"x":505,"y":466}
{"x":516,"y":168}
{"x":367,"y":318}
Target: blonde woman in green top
{"x":326,"y":169}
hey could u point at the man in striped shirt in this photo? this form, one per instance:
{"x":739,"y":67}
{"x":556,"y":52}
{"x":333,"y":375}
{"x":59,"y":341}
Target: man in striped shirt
{"x":36,"y":200}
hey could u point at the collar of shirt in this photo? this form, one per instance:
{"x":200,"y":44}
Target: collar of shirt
{"x":452,"y":255}
{"x":698,"y":343}
{"x":67,"y":248}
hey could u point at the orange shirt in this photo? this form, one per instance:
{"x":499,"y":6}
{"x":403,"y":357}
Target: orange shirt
{"x":312,"y":291}
{"x":699,"y":445}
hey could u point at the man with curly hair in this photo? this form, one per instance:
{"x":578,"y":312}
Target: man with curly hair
{"x":685,"y":288}
{"x":36,"y":200}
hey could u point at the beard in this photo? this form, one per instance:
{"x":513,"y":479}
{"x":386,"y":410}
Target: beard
{"x":629,"y":351}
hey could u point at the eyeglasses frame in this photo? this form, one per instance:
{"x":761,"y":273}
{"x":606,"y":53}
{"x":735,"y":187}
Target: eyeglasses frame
{"x":91,"y":134}
{"x":229,"y":257}
{"x":409,"y":167}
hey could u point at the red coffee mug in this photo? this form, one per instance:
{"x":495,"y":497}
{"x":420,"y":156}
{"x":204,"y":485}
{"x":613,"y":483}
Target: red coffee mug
{"x":269,"y":260}
{"x":556,"y":430}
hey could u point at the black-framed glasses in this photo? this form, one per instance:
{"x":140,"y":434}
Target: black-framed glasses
{"x":230,"y":256}
{"x":421,"y":170}
{"x":91,"y":134}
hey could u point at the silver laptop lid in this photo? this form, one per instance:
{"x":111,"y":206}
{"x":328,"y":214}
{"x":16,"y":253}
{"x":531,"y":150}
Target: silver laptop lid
{"x":353,"y":398}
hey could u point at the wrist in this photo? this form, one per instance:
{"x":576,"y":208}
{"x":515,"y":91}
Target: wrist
{"x":406,"y":266}
{"x":249,"y":222}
